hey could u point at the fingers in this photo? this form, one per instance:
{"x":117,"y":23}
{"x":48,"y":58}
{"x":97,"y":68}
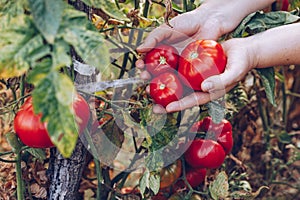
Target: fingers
{"x":156,"y":36}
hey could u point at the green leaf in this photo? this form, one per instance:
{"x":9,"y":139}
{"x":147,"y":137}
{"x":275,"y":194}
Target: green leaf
{"x":18,"y":45}
{"x":53,"y":97}
{"x":154,"y":161}
{"x":144,"y":182}
{"x":47,"y":16}
{"x":284,"y":137}
{"x":259,"y":21}
{"x":268,"y":79}
{"x":10,"y":9}
{"x":216,"y":111}
{"x":37,"y":153}
{"x":154,"y":182}
{"x":90,"y":46}
{"x":60,"y":55}
{"x":149,"y":181}
{"x":39,"y":72}
{"x":219,"y":187}
{"x":108,"y":7}
{"x":14,"y":142}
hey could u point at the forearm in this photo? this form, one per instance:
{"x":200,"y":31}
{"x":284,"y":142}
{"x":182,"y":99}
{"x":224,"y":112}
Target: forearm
{"x":232,"y":12}
{"x":277,"y":46}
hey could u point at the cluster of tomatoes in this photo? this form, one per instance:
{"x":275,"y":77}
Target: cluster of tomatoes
{"x":33,"y":132}
{"x":203,"y":153}
{"x":172,"y":71}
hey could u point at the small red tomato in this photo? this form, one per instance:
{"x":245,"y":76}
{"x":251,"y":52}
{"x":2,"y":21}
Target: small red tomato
{"x":205,"y":154}
{"x":33,"y":132}
{"x":199,"y":60}
{"x":166,"y":88}
{"x":161,"y":59}
{"x":195,"y":176}
{"x":221,"y":132}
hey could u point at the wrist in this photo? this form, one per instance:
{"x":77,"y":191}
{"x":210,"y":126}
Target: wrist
{"x":231,"y":12}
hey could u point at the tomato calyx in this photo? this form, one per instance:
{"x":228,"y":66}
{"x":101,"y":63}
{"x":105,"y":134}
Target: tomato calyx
{"x":162,"y":86}
{"x":162,"y":60}
{"x":194,"y":55}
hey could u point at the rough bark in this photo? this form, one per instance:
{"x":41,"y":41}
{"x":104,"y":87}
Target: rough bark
{"x":65,"y":174}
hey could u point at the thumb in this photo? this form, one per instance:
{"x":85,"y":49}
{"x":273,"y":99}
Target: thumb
{"x":223,"y":81}
{"x":155,"y":37}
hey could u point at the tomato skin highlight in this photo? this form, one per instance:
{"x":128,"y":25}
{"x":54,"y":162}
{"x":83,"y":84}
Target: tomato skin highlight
{"x":170,"y":174}
{"x":33,"y":132}
{"x":162,"y":58}
{"x":205,"y":154}
{"x":222,"y":132}
{"x":199,"y":60}
{"x":166,"y":88}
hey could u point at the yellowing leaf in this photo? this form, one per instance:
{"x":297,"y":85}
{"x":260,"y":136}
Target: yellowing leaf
{"x":219,"y":187}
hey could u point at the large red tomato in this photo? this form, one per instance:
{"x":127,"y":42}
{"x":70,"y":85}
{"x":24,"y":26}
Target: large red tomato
{"x":161,"y":59}
{"x":221,"y":132}
{"x":170,"y":174}
{"x":166,"y":88}
{"x":205,"y":154}
{"x":199,"y":60}
{"x":33,"y":133}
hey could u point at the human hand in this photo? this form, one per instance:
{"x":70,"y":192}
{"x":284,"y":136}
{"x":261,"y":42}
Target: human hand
{"x":209,"y":21}
{"x":241,"y":58}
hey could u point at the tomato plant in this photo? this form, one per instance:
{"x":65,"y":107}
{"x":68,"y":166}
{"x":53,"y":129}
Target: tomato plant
{"x":33,"y":132}
{"x":204,"y":154}
{"x":221,"y":132}
{"x":166,"y":88}
{"x":170,"y":174}
{"x":161,"y":59}
{"x":199,"y":60}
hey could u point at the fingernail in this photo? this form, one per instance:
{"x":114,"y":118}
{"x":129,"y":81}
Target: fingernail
{"x":206,"y":86}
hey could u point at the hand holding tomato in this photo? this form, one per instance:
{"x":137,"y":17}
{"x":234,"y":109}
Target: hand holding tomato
{"x":198,"y":60}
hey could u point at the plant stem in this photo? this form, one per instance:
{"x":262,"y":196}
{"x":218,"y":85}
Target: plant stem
{"x":284,"y":96}
{"x":7,"y":161}
{"x":96,"y":161}
{"x":99,"y":177}
{"x":22,"y":88}
{"x":20,"y":183}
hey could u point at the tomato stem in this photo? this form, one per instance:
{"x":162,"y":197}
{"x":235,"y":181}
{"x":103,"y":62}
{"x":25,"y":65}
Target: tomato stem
{"x":162,"y":60}
{"x":194,"y":55}
{"x":162,"y":86}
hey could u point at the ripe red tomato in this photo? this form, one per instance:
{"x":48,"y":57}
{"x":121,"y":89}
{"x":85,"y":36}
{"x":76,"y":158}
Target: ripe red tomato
{"x":161,"y":59}
{"x":166,"y":88}
{"x":195,"y":176}
{"x":82,"y":112}
{"x":170,"y":174}
{"x":33,"y":133}
{"x":199,"y":60}
{"x":222,"y":132}
{"x":205,"y":154}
